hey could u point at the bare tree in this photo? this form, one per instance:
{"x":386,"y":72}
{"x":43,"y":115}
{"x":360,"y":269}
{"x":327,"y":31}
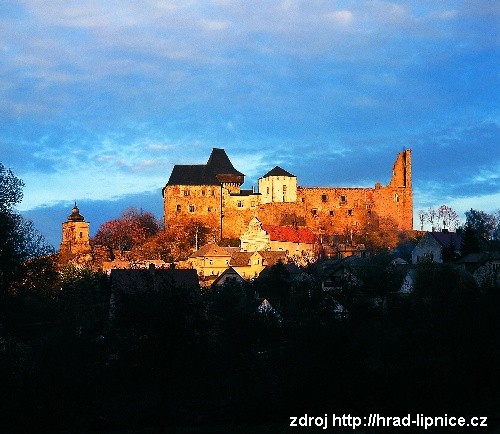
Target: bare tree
{"x":422,"y":216}
{"x":431,"y":218}
{"x":448,"y":216}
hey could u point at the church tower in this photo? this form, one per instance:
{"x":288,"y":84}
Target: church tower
{"x":75,"y":234}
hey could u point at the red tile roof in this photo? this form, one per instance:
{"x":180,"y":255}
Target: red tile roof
{"x":290,"y":234}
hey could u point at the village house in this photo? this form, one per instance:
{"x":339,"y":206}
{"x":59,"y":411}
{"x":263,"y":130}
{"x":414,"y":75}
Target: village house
{"x":210,"y":260}
{"x":484,"y":267}
{"x":250,"y":264}
{"x":228,"y":275}
{"x":434,"y":246}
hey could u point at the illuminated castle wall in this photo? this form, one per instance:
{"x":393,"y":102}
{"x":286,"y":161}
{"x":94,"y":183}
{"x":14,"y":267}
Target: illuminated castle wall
{"x":211,"y":193}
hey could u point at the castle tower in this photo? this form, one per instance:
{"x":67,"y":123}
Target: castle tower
{"x":402,"y":192}
{"x":278,"y":185}
{"x":75,"y":234}
{"x":401,"y":171}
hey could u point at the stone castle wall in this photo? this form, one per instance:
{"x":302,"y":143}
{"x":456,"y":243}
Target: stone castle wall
{"x":329,"y":210}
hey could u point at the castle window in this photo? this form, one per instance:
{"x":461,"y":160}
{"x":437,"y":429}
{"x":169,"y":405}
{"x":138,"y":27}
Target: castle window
{"x":314,"y":212}
{"x":284,"y":188}
{"x":203,"y":192}
{"x":191,"y":208}
{"x":267,"y":190}
{"x":396,"y":197}
{"x":81,"y":234}
{"x":343,"y":198}
{"x":331,"y":213}
{"x":209,"y":209}
{"x":324,"y":198}
{"x":186,"y":192}
{"x":240,"y":204}
{"x":349,"y":212}
{"x":178,"y":208}
{"x":213,"y":192}
{"x":211,"y":262}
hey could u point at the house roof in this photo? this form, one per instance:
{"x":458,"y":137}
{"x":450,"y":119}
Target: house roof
{"x":217,"y":170}
{"x":143,"y":279}
{"x":300,"y":234}
{"x":271,"y":257}
{"x":228,"y":272}
{"x":447,"y":239}
{"x":240,"y":259}
{"x":278,"y":171}
{"x":245,"y":193}
{"x":75,"y":215}
{"x":211,"y":249}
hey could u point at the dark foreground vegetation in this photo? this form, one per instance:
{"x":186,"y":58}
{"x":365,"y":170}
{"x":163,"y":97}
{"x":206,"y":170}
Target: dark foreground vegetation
{"x":180,"y":357}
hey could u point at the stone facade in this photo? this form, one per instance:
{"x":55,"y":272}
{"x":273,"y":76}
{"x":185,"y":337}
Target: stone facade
{"x":255,"y":238}
{"x":212,"y":194}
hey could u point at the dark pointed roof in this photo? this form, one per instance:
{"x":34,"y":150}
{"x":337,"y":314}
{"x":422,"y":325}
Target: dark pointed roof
{"x":75,"y":215}
{"x":278,"y":171}
{"x":218,"y":169}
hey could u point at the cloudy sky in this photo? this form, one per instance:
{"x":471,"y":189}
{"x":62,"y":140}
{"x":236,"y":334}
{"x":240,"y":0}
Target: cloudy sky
{"x":99,"y":99}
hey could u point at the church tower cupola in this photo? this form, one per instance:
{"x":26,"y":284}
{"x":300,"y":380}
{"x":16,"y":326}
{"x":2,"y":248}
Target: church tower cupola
{"x":75,"y":215}
{"x":75,"y":234}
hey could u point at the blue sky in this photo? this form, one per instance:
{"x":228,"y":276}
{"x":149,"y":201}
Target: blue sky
{"x":98,"y":100}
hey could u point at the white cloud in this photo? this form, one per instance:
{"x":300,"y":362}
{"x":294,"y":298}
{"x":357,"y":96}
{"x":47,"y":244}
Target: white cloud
{"x":340,"y":17}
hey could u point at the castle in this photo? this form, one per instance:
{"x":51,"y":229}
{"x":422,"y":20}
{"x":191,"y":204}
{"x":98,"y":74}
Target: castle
{"x":211,"y":194}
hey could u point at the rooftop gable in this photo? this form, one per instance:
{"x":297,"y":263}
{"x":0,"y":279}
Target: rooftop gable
{"x":230,"y":273}
{"x":278,"y":171}
{"x":271,"y":258}
{"x":211,"y":250}
{"x":219,"y":163}
{"x":240,"y":259}
{"x":217,"y":170}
